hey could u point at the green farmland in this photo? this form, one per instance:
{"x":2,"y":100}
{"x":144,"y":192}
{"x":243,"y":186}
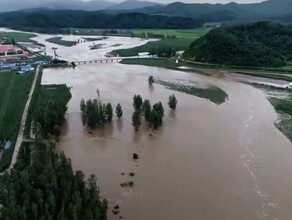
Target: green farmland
{"x":179,"y":34}
{"x":14,"y":90}
{"x":17,"y":36}
{"x":59,"y":41}
{"x":181,"y":41}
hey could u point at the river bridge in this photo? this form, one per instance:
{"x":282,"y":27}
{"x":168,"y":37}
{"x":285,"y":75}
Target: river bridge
{"x":105,"y":60}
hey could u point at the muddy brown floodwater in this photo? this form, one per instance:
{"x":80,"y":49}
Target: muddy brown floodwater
{"x":206,"y":162}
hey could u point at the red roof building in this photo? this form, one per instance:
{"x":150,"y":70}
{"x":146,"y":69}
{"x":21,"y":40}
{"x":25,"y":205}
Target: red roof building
{"x":6,"y":48}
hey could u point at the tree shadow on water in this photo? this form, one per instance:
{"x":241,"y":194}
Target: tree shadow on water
{"x":120,"y":124}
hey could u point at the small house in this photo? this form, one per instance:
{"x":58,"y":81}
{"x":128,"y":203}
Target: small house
{"x":7,"y":144}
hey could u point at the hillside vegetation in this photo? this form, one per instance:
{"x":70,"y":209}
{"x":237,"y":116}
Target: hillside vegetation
{"x":54,"y":21}
{"x":260,"y":44}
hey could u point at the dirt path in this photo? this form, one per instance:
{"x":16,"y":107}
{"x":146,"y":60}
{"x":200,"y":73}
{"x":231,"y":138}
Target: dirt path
{"x":22,"y":123}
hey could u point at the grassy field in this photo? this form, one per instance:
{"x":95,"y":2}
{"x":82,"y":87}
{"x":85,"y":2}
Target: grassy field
{"x":14,"y":90}
{"x":212,"y":93}
{"x":157,"y":62}
{"x":56,"y":92}
{"x":175,"y":44}
{"x":181,"y":42}
{"x":284,"y":109}
{"x":180,"y":34}
{"x":59,"y":41}
{"x":18,"y":36}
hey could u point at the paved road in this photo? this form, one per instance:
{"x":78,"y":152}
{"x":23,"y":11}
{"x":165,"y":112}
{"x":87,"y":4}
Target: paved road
{"x":22,"y":123}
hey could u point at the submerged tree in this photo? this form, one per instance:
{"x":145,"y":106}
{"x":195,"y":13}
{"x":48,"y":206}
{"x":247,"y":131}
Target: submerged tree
{"x":156,"y":115}
{"x":96,"y":114}
{"x":159,"y":108}
{"x":172,"y":102}
{"x":136,"y":120}
{"x":147,"y":109}
{"x":150,"y":80}
{"x":82,"y":105}
{"x":119,"y":111}
{"x":155,"y":119}
{"x":137,"y":102}
{"x":83,"y":108}
{"x":109,"y":112}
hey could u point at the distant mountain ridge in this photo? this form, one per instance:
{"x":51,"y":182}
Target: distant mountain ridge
{"x":93,"y":5}
{"x":133,"y":4}
{"x":203,"y":12}
{"x":223,"y":12}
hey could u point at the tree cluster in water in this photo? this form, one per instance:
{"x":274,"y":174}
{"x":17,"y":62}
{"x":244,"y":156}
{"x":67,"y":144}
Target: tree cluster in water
{"x":97,"y":114}
{"x":154,"y":116}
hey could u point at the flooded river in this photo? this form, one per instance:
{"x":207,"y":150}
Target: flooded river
{"x":206,"y":162}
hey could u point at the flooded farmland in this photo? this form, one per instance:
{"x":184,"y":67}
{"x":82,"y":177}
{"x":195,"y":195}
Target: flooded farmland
{"x":207,"y":161}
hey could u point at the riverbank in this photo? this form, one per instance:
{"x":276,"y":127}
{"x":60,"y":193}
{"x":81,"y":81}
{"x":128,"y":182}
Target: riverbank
{"x":281,"y":99}
{"x":279,"y":74}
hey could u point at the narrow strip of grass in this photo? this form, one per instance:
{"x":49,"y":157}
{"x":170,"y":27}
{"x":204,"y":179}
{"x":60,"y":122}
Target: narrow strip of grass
{"x":284,"y":109}
{"x":155,"y":62}
{"x":212,"y":93}
{"x":281,"y":100}
{"x":180,"y":34}
{"x":59,"y":41}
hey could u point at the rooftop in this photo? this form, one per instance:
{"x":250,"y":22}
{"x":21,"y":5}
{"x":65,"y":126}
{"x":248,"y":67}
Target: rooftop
{"x":6,"y":48}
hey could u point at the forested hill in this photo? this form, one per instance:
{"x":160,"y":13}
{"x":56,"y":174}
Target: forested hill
{"x":269,"y":9}
{"x":84,"y":19}
{"x":257,"y":44}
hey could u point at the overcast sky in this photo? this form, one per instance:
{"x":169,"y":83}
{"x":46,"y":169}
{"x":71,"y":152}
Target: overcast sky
{"x":200,"y":1}
{"x":196,"y":1}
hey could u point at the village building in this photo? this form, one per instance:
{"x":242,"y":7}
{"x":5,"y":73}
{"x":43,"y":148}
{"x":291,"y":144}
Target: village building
{"x":6,"y":48}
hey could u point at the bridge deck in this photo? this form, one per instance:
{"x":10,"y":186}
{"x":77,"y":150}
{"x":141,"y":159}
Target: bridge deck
{"x":110,"y":60}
